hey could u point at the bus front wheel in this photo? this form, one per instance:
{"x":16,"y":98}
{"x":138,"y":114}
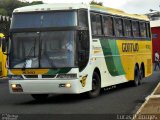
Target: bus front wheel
{"x":96,"y":86}
{"x":40,"y":97}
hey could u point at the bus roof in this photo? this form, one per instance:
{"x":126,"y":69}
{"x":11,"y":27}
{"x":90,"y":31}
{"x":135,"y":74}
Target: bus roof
{"x":49,"y":7}
{"x":118,"y":12}
{"x":70,"y":6}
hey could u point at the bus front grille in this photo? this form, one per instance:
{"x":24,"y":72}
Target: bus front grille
{"x":31,"y":76}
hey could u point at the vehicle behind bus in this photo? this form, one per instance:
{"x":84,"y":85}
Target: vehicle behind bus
{"x":3,"y":58}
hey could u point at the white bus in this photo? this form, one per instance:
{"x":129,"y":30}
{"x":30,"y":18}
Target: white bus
{"x":76,"y":48}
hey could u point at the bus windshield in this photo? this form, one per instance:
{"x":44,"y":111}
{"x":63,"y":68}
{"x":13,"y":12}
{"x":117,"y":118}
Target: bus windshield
{"x":44,"y":19}
{"x":54,"y":49}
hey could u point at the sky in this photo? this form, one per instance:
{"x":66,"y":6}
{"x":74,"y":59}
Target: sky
{"x":130,"y":6}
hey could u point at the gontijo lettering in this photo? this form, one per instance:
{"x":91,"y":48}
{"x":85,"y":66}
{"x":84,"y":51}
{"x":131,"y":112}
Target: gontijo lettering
{"x":130,"y":47}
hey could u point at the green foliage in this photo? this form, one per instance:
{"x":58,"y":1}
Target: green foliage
{"x":96,"y":3}
{"x":3,"y":12}
{"x":36,"y":2}
{"x":6,"y":9}
{"x":7,"y":6}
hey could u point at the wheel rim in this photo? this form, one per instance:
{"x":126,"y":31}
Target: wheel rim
{"x":95,"y":85}
{"x":141,"y":74}
{"x":137,"y":77}
{"x":136,"y":80}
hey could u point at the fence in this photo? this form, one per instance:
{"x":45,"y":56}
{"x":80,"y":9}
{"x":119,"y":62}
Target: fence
{"x":4,"y":24}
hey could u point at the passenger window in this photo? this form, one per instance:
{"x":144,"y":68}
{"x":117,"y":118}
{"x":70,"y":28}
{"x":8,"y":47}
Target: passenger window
{"x":108,"y":26}
{"x":143,"y":29}
{"x":93,"y":24}
{"x":135,"y":29}
{"x":99,"y":25}
{"x":128,"y":28}
{"x":148,"y":30}
{"x":96,"y":24}
{"x":118,"y":27}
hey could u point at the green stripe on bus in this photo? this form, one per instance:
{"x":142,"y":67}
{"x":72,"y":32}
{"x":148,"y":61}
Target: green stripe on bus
{"x":112,"y":58}
{"x":58,"y":71}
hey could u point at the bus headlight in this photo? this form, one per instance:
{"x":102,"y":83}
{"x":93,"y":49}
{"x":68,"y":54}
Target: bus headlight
{"x":68,"y":85}
{"x":65,"y":85}
{"x":67,"y":76}
{"x":13,"y":86}
{"x":16,"y":88}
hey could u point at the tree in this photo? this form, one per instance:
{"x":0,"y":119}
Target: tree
{"x":36,"y":2}
{"x":6,"y":9}
{"x":3,"y":12}
{"x":96,"y":3}
{"x":7,"y":6}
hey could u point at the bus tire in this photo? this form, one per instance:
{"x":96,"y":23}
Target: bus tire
{"x":142,"y":72}
{"x":137,"y":77}
{"x":96,"y":86}
{"x":40,"y":97}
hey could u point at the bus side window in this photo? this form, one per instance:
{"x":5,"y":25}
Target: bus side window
{"x":143,"y":29}
{"x":127,"y":28}
{"x":119,"y":27}
{"x":99,"y":25}
{"x":135,"y":29}
{"x":148,"y":30}
{"x":108,"y":26}
{"x":93,"y":24}
{"x":96,"y":24}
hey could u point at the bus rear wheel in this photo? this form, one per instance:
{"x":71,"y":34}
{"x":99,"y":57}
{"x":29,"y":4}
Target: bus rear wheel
{"x":96,"y":86}
{"x":40,"y":97}
{"x":142,"y":73}
{"x":137,"y":77}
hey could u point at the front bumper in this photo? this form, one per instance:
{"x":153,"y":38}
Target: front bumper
{"x":45,"y":86}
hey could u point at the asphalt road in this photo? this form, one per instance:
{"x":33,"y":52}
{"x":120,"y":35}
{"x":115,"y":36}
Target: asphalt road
{"x":125,"y":99}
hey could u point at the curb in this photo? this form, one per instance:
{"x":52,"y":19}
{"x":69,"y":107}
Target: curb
{"x":152,"y":96}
